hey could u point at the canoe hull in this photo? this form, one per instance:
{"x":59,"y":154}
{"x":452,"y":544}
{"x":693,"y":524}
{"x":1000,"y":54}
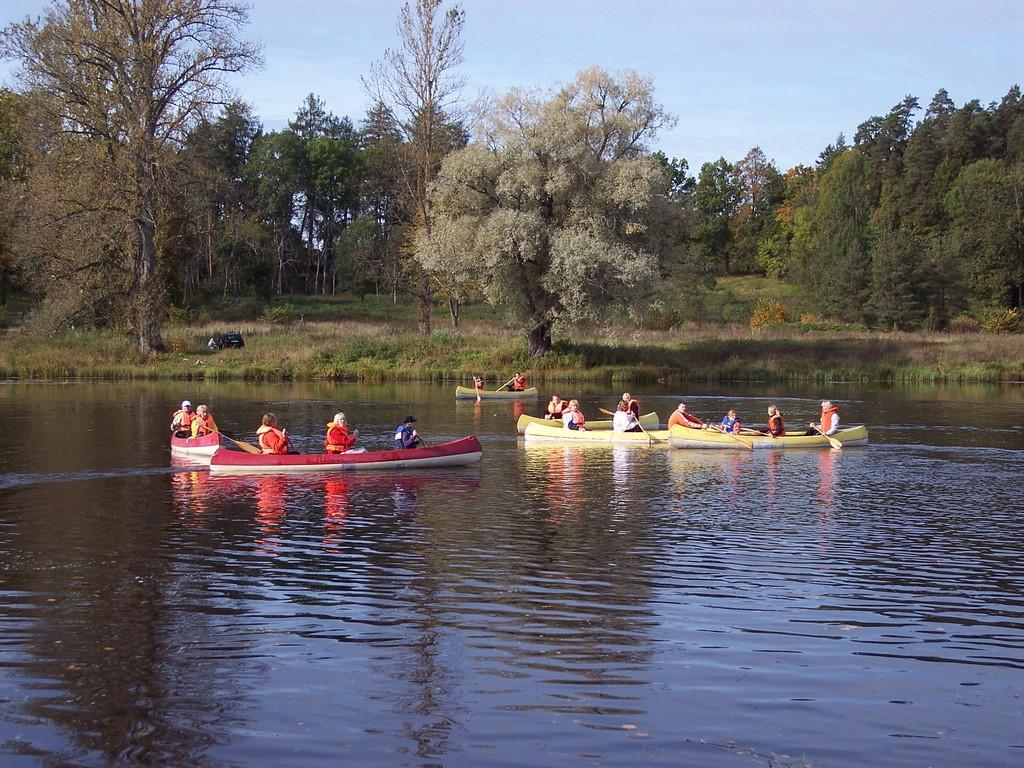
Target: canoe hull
{"x":468,"y":393}
{"x":544,"y":432}
{"x":204,"y":446}
{"x":703,"y":439}
{"x":647,"y":420}
{"x":456,"y":453}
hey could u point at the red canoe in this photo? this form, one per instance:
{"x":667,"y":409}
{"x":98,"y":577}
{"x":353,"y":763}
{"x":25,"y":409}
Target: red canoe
{"x":454,"y":454}
{"x":206,"y":445}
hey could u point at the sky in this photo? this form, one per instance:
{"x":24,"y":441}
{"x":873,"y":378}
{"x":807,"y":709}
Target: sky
{"x":785,"y":76}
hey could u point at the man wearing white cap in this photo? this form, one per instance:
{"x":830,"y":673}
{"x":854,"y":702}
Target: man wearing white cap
{"x":181,"y":423}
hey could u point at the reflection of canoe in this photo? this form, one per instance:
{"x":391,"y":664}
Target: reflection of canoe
{"x":546,"y":432}
{"x":195,"y":446}
{"x":648,"y":420}
{"x":683,"y":437}
{"x":456,"y":453}
{"x":464,"y":393}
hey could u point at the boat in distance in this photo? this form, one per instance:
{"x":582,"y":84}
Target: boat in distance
{"x":558,"y":433}
{"x":684,"y":437}
{"x":204,"y":446}
{"x":457,"y":453}
{"x":647,"y":421}
{"x":468,"y":393}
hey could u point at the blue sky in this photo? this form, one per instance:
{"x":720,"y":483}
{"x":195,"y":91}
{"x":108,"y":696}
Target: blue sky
{"x":787,"y":76}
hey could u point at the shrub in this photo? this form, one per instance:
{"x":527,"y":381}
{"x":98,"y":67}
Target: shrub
{"x":1001,"y":321}
{"x":278,"y":314}
{"x":767,"y":313}
{"x":964,"y":324}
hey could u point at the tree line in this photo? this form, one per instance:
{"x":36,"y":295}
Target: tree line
{"x":131,"y":182}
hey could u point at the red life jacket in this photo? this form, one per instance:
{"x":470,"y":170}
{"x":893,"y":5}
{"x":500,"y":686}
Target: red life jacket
{"x":633,"y":405}
{"x":338,"y":440}
{"x":519,"y":382}
{"x":827,"y":418}
{"x":776,"y":425}
{"x":272,"y":440}
{"x":684,"y":420}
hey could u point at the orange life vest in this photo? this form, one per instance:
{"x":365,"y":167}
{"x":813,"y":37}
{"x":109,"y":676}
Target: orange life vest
{"x":337,"y":440}
{"x":519,"y":382}
{"x":684,"y":420}
{"x":272,"y":440}
{"x":776,"y":425}
{"x":633,"y":405}
{"x":186,"y":419}
{"x":555,"y":407}
{"x":201,"y":426}
{"x":828,"y":417}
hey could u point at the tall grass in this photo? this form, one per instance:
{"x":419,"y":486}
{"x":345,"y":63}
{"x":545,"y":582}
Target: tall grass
{"x":390,"y":351}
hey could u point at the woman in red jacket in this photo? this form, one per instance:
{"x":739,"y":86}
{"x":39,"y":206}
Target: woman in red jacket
{"x":272,"y":439}
{"x":339,"y":439}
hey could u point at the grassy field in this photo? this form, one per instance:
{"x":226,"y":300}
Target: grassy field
{"x":329,"y":338}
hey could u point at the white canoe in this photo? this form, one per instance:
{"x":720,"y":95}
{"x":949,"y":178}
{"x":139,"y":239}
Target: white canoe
{"x":647,"y":420}
{"x":558,"y":433}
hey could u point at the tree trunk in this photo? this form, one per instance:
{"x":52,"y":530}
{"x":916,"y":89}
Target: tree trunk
{"x":453,"y":309}
{"x":147,"y":303}
{"x":540,"y":339}
{"x":424,"y":297}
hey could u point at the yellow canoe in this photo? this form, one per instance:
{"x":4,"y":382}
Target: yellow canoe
{"x":683,"y":437}
{"x":561,"y":434}
{"x":647,"y":421}
{"x":468,"y":393}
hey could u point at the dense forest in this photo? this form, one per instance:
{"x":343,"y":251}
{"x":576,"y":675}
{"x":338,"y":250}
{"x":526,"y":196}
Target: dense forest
{"x":131,"y":188}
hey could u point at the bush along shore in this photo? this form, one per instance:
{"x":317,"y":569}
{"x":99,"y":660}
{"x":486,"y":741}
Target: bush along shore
{"x":365,"y":351}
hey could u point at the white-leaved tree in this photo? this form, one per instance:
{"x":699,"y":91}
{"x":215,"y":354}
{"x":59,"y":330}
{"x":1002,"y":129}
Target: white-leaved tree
{"x":553,"y":200}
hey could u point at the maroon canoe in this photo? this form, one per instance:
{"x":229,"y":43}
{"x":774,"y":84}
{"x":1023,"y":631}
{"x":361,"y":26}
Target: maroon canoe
{"x":466,"y":450}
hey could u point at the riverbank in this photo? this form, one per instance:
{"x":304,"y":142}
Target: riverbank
{"x":375,"y":351}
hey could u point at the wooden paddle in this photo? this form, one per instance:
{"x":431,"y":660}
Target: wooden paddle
{"x":505,"y":384}
{"x":248,"y":448}
{"x":748,"y":444}
{"x":831,"y":440}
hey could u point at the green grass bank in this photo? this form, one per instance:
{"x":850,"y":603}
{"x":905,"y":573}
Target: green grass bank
{"x":389,"y":349}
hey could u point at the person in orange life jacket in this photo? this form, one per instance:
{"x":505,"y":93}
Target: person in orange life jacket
{"x":202,"y":422}
{"x":829,"y":422}
{"x":682,"y":417}
{"x":556,"y":408}
{"x":623,"y":420}
{"x":406,"y":435}
{"x":271,"y":439}
{"x":181,"y":421}
{"x":478,"y":383}
{"x":776,"y":426}
{"x":730,"y":423}
{"x":573,"y":418}
{"x":519,"y":383}
{"x":632,"y":404}
{"x":339,"y":439}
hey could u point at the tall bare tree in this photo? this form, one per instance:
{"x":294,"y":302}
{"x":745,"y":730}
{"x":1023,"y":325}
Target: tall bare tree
{"x":417,"y":81}
{"x":130,"y":78}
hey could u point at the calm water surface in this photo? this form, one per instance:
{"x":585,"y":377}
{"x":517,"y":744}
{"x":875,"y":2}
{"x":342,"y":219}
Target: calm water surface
{"x":551,"y":606}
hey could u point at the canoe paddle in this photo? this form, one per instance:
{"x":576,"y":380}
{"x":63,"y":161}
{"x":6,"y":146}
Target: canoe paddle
{"x":748,"y":444}
{"x":831,"y":440}
{"x":244,"y":446}
{"x":505,"y":384}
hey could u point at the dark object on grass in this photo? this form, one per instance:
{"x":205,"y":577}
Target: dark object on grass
{"x":223,"y":340}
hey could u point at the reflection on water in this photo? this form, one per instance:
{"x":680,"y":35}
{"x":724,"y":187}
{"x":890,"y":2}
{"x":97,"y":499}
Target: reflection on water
{"x":626,"y":605}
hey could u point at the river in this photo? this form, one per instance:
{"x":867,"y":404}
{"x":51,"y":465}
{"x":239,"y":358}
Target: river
{"x":550,"y":606}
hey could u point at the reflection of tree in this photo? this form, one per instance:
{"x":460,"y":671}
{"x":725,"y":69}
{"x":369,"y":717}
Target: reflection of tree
{"x":122,"y":663}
